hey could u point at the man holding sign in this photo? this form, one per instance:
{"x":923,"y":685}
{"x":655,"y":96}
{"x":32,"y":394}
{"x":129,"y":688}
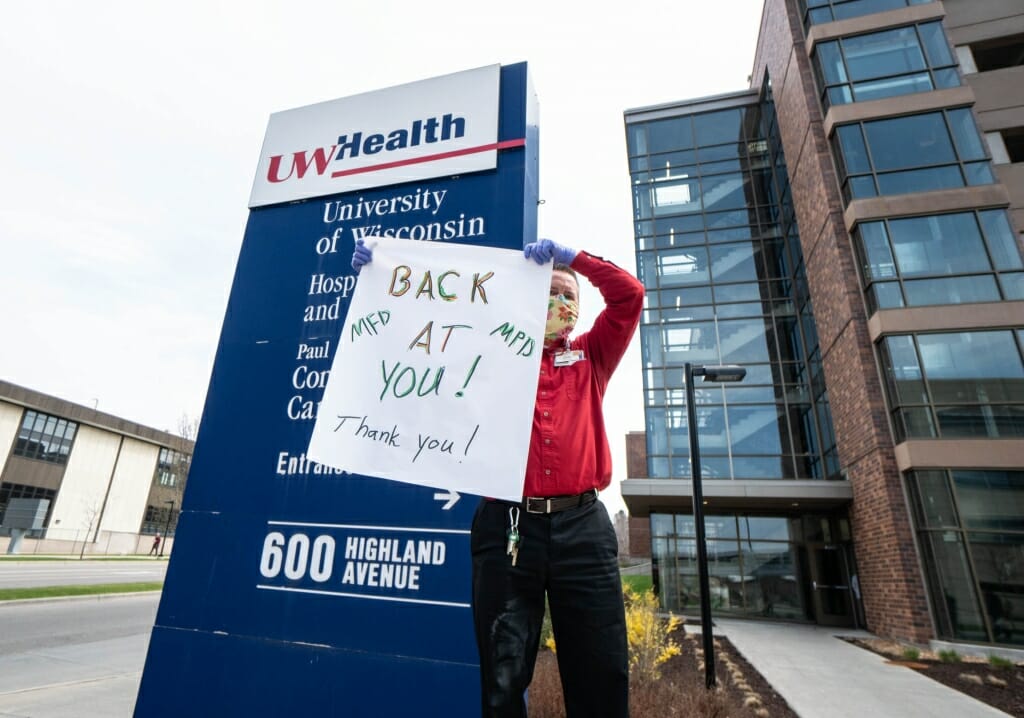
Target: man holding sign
{"x":559,"y":541}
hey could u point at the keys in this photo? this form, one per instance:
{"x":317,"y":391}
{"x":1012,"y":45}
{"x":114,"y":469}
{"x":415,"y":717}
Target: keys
{"x":512,"y":547}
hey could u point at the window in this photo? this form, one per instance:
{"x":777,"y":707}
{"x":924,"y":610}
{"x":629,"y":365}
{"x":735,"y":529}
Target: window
{"x":955,"y":385}
{"x":884,"y":64}
{"x":971,"y":536}
{"x":161,"y":520}
{"x":165,"y":495}
{"x":684,"y":194}
{"x":45,"y":437}
{"x":939,"y":259}
{"x":171,"y":468}
{"x":914,"y":153}
{"x":819,"y":11}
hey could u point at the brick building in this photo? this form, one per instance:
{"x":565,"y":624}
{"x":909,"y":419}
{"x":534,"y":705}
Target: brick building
{"x":847,"y":229}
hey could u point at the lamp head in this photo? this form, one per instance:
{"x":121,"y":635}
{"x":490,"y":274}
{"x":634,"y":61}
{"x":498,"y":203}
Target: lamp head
{"x":721,"y":373}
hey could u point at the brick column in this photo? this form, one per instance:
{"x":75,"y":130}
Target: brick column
{"x":890,"y":577}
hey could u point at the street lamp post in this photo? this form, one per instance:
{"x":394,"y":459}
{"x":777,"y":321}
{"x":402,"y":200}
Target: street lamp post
{"x":167,"y":526}
{"x":725,"y":373}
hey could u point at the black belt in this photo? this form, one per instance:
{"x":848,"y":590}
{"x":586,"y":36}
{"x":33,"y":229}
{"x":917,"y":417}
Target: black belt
{"x":553,"y":504}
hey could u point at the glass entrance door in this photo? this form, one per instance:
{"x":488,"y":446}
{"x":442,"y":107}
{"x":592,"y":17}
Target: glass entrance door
{"x":831,"y":594}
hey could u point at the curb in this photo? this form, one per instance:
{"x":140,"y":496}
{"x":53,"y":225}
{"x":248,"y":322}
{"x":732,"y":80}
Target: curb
{"x":85,"y":597}
{"x":71,"y":560}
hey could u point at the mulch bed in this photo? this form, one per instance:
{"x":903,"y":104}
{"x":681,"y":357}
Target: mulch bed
{"x":1001,"y":688}
{"x":741,"y":691}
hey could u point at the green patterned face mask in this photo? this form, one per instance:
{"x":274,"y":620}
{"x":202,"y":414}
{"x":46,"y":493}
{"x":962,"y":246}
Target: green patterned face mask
{"x":562,"y":314}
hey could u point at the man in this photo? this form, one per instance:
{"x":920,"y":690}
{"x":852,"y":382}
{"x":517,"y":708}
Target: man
{"x":559,"y":540}
{"x":156,"y":545}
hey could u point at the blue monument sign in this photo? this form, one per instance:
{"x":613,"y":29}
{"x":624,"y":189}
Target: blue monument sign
{"x":295,"y":588}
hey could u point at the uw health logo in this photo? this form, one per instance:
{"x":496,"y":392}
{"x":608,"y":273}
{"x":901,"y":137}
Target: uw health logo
{"x":433,"y":130}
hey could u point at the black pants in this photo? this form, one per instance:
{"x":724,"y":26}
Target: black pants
{"x":572,"y":556}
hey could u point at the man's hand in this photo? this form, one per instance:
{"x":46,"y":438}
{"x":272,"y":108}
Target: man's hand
{"x":362,"y":255}
{"x":545,"y":250}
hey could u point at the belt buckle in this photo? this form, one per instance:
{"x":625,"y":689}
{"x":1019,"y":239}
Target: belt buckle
{"x":546,"y":505}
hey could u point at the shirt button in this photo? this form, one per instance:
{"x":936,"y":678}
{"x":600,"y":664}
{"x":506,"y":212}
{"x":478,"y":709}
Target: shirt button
{"x":543,"y":393}
{"x":547,"y":441}
{"x":541,"y":371}
{"x":547,"y":413}
{"x":547,"y":472}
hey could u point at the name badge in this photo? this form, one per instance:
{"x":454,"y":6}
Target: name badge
{"x":569,"y":358}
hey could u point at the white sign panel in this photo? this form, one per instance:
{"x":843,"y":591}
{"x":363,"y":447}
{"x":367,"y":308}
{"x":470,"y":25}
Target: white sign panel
{"x":435,"y":376}
{"x":433,"y":128}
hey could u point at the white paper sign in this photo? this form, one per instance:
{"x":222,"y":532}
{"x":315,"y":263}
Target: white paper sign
{"x":435,"y":376}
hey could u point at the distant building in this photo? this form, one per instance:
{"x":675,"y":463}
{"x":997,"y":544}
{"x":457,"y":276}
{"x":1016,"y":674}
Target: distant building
{"x":847,"y":230}
{"x":620,"y":522}
{"x":109,"y":482}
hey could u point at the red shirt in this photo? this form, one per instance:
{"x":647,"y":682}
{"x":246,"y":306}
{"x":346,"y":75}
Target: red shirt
{"x":568,"y":447}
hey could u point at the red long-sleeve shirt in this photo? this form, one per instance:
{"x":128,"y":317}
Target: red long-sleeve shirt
{"x":568,"y":447}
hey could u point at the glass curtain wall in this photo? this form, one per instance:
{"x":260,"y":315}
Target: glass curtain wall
{"x":719,"y":255}
{"x":752,"y":564}
{"x":970,"y":526}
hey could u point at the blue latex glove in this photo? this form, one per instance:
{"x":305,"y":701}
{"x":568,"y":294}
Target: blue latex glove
{"x":362,"y":255}
{"x":545,"y":250}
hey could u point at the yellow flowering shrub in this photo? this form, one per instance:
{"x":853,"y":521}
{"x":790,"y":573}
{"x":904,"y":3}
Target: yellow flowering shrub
{"x":649,"y":636}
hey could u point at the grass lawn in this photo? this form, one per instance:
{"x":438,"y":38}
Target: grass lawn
{"x":638,"y":583}
{"x":11,"y":594}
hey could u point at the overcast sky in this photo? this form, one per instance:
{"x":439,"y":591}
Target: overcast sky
{"x":131,"y":131}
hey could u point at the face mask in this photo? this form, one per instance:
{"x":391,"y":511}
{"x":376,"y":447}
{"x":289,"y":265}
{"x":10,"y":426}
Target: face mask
{"x":562,"y":315}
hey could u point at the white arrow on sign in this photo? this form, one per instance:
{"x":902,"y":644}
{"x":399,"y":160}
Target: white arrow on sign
{"x":451,"y":496}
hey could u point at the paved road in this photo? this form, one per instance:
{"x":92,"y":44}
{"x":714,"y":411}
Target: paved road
{"x":25,"y":574}
{"x":78,"y":658}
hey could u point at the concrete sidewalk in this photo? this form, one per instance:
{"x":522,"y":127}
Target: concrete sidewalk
{"x":821,"y":675}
